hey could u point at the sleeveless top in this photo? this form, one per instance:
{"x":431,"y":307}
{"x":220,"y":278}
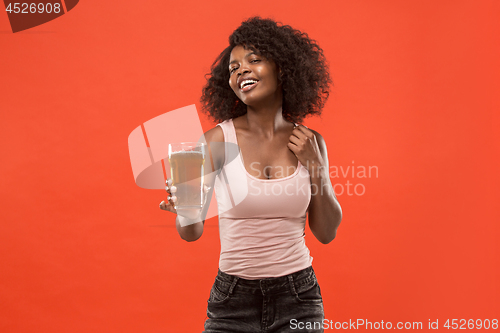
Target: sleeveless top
{"x":261,"y":221}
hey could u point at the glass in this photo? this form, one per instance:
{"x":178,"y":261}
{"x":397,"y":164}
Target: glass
{"x":187,"y":161}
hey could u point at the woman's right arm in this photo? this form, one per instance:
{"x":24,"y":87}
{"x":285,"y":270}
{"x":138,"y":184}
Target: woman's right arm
{"x":191,"y":230}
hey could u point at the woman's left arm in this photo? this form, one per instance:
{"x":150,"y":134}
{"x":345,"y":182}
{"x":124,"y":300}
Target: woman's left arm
{"x":324,"y":209}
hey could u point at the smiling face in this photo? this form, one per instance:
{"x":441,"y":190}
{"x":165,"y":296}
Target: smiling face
{"x":253,"y":78}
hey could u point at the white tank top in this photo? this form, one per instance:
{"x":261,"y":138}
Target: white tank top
{"x":261,"y":221}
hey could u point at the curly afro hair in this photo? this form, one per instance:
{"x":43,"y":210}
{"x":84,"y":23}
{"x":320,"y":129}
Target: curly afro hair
{"x":305,"y":77}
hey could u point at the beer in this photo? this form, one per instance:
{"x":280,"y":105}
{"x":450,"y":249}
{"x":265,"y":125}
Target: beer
{"x":187,"y":173}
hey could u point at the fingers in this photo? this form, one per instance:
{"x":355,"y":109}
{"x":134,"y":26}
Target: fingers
{"x":171,"y":189}
{"x":301,"y":129}
{"x":168,"y":207}
{"x":301,"y":135}
{"x":298,"y":133}
{"x":168,"y":183}
{"x":163,"y":205}
{"x":171,"y":199}
{"x":295,"y":140}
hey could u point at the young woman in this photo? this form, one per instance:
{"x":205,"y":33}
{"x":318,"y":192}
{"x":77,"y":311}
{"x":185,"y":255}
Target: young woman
{"x":261,"y":86}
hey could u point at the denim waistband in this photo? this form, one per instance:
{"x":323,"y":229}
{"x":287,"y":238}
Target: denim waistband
{"x":268,"y":285}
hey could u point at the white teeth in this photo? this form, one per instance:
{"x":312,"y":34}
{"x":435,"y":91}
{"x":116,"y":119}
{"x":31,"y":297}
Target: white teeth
{"x":242,"y":84}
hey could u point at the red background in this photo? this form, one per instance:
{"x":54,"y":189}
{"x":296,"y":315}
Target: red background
{"x":416,"y":84}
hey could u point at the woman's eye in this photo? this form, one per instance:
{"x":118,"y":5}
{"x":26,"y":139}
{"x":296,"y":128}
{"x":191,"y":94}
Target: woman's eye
{"x":255,"y":61}
{"x":231,"y":70}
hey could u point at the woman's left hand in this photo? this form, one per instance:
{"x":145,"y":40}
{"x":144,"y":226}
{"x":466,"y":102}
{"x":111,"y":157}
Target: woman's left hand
{"x":304,"y":145}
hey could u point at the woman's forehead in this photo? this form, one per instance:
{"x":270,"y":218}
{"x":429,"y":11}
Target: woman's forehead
{"x":243,"y":50}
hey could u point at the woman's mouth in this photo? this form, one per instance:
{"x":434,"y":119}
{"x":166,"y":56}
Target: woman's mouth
{"x":247,"y":85}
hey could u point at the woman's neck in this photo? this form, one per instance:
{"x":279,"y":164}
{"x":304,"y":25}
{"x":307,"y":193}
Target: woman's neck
{"x":265,"y":120}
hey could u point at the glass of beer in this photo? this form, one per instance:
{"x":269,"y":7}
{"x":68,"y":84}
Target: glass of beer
{"x":187,"y":172}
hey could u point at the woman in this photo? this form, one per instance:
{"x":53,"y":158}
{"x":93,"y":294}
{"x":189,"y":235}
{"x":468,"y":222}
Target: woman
{"x":265,"y":82}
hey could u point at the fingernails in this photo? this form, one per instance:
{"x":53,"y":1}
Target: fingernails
{"x":166,"y":188}
{"x":169,"y":182}
{"x":173,"y":188}
{"x":174,"y":198}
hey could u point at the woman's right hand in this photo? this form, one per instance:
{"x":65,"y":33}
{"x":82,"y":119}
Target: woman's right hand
{"x":171,"y":199}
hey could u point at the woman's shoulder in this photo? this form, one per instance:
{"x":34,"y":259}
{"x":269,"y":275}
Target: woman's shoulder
{"x":214,"y":134}
{"x":214,"y":138}
{"x":318,"y":136}
{"x":321,"y":144}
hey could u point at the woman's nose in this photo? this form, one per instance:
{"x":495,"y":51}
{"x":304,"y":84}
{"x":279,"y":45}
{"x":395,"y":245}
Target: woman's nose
{"x":243,"y":70}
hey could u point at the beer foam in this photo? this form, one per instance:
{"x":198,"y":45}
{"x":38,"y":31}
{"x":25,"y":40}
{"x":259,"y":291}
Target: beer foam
{"x":186,"y":152}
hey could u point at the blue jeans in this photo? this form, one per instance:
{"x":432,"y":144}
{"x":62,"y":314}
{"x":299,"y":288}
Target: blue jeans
{"x":290,"y":303}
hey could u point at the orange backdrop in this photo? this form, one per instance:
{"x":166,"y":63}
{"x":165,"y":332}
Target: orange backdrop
{"x":416,"y":84}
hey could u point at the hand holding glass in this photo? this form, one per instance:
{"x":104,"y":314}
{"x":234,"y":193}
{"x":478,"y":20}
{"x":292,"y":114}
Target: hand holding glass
{"x":187,"y":172}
